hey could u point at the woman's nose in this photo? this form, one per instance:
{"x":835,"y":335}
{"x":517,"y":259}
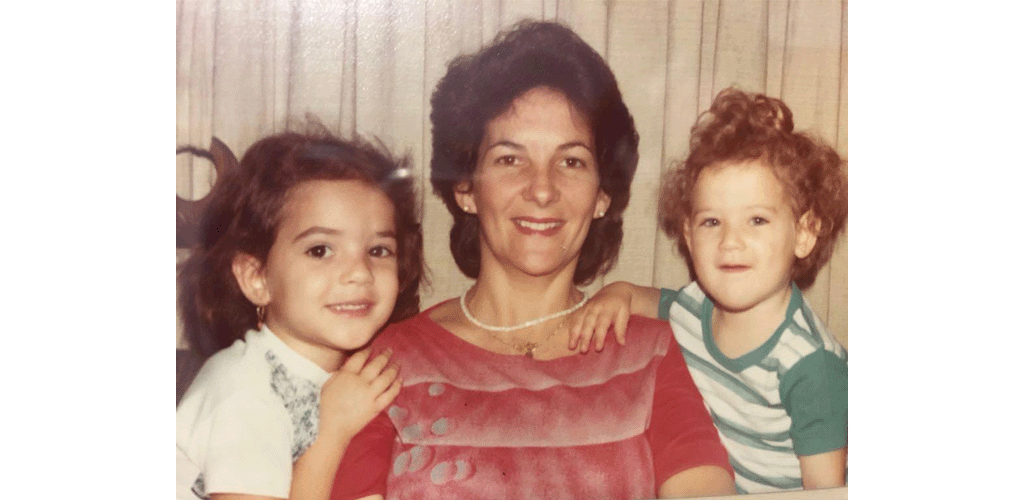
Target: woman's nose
{"x":542,"y":188}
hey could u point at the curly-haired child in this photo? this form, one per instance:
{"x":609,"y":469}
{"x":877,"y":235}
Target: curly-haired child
{"x":756,"y":210}
{"x":306,"y":250}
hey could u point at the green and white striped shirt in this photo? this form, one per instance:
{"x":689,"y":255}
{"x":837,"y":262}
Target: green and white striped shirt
{"x":783,"y":399}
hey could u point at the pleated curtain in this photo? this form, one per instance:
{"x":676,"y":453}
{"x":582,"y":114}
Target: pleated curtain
{"x":245,"y":68}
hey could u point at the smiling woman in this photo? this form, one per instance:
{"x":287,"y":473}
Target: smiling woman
{"x":534,"y":153}
{"x":535,"y":190}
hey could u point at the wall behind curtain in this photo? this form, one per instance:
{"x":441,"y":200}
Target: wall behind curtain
{"x":245,"y":67}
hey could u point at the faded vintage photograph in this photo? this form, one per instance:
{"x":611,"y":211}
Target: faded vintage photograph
{"x":512,"y":248}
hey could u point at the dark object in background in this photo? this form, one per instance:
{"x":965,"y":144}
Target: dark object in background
{"x":187,"y":225}
{"x":189,"y":211}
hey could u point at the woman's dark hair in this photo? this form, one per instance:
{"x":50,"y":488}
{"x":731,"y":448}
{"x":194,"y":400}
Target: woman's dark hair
{"x":741,"y":127}
{"x":244,"y":213}
{"x":479,"y":87}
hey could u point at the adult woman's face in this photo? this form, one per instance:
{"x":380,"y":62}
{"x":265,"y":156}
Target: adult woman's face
{"x":536,"y":186}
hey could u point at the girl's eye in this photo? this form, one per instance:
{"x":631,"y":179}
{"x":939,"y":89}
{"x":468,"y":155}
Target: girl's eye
{"x":319,"y":252}
{"x":710,"y":222}
{"x":758,"y":221}
{"x":381,"y":251}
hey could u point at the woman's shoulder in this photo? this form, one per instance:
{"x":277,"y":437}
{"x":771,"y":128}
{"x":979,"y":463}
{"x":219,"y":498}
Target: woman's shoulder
{"x":647,"y":340}
{"x":654,"y":330}
{"x":427,"y":325}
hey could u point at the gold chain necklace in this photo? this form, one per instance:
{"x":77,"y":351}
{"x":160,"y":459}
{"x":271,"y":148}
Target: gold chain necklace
{"x":528,"y":349}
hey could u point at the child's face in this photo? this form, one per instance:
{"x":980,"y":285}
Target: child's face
{"x":743,"y":236}
{"x":332,"y":272}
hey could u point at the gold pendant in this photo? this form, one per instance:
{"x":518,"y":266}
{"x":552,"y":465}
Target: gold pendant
{"x":530,"y":347}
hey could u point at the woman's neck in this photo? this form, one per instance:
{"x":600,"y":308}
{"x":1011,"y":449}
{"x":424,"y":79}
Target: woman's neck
{"x":503,"y":299}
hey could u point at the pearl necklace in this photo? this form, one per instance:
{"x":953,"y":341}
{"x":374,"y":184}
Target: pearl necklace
{"x":532,"y":322}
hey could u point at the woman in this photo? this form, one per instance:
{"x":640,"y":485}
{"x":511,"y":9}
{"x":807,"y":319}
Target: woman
{"x":533,"y":154}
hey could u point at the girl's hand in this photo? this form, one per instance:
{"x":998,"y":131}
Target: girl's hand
{"x":356,"y":393}
{"x":609,"y":306}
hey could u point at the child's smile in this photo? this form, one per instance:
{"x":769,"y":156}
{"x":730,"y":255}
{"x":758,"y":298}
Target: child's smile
{"x":744,"y":237}
{"x":332,"y":273}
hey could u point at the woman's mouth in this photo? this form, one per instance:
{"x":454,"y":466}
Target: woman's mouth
{"x":545,"y":227}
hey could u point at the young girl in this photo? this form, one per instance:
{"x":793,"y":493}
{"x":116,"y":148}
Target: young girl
{"x":307,"y":249}
{"x":755,"y":210}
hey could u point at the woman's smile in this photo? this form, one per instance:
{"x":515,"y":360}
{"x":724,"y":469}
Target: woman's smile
{"x":536,"y":186}
{"x":543,"y":227}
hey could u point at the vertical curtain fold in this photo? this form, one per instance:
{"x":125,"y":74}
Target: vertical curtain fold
{"x":247,"y":67}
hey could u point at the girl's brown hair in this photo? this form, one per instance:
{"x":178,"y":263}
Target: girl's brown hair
{"x":243,"y":215}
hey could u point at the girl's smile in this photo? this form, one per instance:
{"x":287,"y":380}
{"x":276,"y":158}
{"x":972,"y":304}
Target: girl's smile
{"x":332,"y":273}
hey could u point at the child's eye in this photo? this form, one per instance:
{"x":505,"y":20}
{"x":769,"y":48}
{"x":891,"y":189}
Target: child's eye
{"x":319,"y":252}
{"x":381,"y":251}
{"x":709,"y":222}
{"x":758,"y":221}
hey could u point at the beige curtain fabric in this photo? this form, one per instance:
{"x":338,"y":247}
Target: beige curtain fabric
{"x":245,"y":67}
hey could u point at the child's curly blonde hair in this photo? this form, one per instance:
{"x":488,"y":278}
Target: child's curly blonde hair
{"x":743,"y":126}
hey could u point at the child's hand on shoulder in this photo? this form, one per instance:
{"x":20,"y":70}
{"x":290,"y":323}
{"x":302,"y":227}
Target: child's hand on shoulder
{"x":356,"y":393}
{"x":609,"y":307}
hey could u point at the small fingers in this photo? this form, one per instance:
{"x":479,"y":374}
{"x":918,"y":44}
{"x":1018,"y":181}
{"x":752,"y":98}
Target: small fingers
{"x":582,"y":329}
{"x":386,"y":378}
{"x":601,"y":332}
{"x":587,"y":332}
{"x":621,"y":320}
{"x":385,"y":398}
{"x":376,"y":365}
{"x":355,"y":362}
{"x":588,"y":335}
{"x":574,"y":331}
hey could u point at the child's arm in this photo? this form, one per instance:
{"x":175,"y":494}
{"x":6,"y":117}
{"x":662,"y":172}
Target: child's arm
{"x":814,"y":392}
{"x":352,"y":397}
{"x":611,"y":306}
{"x":824,"y":470}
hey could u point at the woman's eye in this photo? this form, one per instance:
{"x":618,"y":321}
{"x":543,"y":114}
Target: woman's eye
{"x":575,"y":163}
{"x":381,"y":251}
{"x":319,"y":252}
{"x":507,"y":160}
